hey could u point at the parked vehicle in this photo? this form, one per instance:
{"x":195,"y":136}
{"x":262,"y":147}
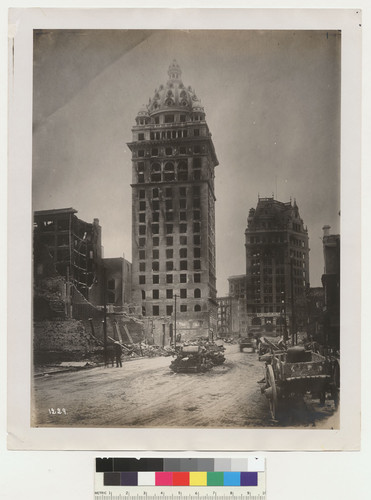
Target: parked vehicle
{"x":298,"y":371}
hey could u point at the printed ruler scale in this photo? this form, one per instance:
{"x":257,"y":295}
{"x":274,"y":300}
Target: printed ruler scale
{"x":180,"y":479}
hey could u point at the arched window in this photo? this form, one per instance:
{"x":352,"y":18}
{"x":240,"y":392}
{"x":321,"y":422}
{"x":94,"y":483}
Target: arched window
{"x":182,"y":171}
{"x":197,"y":293}
{"x":197,"y":308}
{"x":155,"y":172}
{"x":169,"y":172}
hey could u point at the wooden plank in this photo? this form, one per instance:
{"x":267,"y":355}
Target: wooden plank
{"x":128,"y":334}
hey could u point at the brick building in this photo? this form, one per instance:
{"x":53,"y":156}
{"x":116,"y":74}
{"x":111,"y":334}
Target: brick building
{"x":118,"y":281}
{"x":237,"y":294}
{"x":173,"y":209}
{"x":277,"y":266}
{"x":224,"y":328}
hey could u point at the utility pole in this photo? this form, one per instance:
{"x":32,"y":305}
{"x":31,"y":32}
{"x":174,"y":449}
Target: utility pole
{"x":175,"y":322}
{"x":293,"y":318}
{"x":104,"y":315}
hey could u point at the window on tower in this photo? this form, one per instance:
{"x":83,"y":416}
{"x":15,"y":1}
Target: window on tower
{"x":169,"y":172}
{"x":142,"y":205}
{"x":182,"y":171}
{"x":155,"y":279}
{"x":183,"y":278}
{"x":169,"y":119}
{"x":155,"y":172}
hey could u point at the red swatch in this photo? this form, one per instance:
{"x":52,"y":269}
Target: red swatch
{"x":180,"y":478}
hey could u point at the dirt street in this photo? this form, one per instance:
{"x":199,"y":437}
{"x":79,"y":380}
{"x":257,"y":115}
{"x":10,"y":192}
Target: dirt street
{"x":146,"y":393}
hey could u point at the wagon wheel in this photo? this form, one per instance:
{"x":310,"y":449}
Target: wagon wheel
{"x":272,"y":391}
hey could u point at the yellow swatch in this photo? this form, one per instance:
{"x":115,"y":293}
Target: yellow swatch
{"x":198,"y":479}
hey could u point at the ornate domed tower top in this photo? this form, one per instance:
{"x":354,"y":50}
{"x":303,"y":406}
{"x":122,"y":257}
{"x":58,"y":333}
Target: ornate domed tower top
{"x":173,"y":96}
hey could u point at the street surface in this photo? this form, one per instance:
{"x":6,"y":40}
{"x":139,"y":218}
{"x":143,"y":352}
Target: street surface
{"x":146,"y":393}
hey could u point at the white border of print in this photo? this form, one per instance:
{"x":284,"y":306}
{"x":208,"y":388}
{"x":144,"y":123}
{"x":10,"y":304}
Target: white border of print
{"x":20,"y":434}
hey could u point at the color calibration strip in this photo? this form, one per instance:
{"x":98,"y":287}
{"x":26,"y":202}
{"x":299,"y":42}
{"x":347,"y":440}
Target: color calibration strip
{"x":149,"y":472}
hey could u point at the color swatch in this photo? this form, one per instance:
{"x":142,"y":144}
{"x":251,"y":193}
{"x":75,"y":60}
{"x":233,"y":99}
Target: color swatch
{"x":179,"y":471}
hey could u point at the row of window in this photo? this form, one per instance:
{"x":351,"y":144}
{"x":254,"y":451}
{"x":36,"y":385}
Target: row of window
{"x":169,"y":241}
{"x":169,"y":216}
{"x":169,"y":252}
{"x":170,"y":309}
{"x":169,"y":266}
{"x":169,"y":151}
{"x":183,"y":293}
{"x":169,"y":134}
{"x":172,"y":118}
{"x":183,"y":278}
{"x":169,"y":228}
{"x":171,"y":192}
{"x":169,"y":205}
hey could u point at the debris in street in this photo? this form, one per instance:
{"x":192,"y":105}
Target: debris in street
{"x":198,"y":356}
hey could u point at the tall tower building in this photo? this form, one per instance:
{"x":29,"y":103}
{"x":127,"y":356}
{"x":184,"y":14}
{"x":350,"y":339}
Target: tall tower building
{"x":173,"y":209}
{"x":277,"y":267}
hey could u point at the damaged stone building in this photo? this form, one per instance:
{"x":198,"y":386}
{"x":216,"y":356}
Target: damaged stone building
{"x":73,"y":247}
{"x":173,"y":210}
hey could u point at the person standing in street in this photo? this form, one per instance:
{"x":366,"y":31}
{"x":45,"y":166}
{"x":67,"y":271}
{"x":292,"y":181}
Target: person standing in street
{"x":118,"y":353}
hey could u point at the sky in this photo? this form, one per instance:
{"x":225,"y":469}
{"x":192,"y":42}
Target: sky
{"x":272,"y":103}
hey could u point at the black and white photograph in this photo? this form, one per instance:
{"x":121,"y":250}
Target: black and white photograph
{"x":186,"y":228}
{"x":188,"y":191}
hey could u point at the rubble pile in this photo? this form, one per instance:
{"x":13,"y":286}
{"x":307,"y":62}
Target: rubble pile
{"x":198,"y":356}
{"x":62,"y":341}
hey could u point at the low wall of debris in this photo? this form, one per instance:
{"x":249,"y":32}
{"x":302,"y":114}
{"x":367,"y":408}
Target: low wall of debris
{"x":62,"y":341}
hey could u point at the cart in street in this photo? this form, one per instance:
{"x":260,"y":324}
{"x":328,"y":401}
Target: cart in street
{"x":296,"y":372}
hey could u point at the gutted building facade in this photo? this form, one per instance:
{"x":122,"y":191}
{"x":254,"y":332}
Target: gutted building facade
{"x":73,"y":248}
{"x":277,"y":267}
{"x":173,"y":209}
